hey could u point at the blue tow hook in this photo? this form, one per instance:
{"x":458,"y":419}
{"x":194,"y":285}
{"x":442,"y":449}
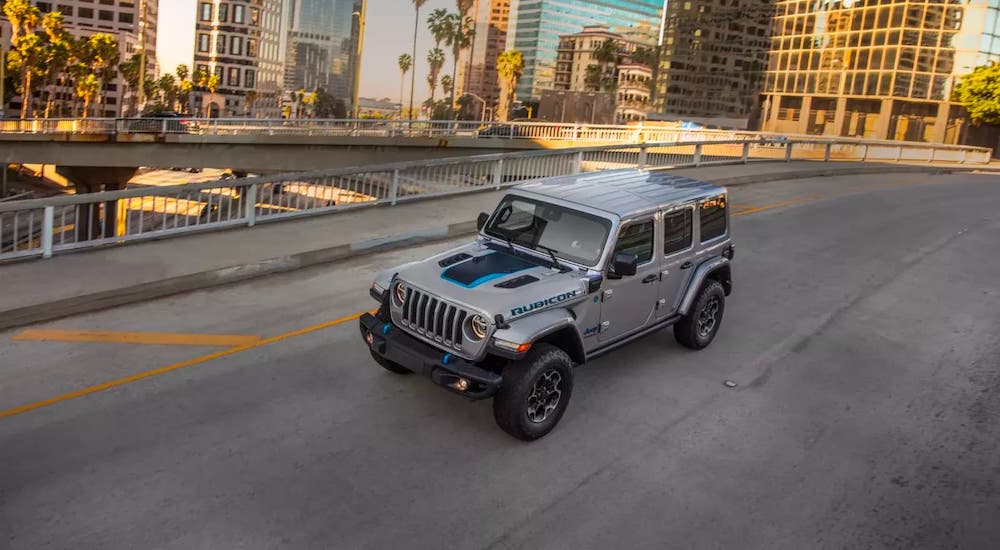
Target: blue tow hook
{"x":446,"y":358}
{"x":385,"y":328}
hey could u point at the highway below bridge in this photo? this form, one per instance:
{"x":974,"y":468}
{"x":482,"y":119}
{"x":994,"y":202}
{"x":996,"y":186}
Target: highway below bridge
{"x":863,"y":335}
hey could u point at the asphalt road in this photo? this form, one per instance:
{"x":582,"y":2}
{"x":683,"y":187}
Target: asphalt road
{"x":864,"y":334}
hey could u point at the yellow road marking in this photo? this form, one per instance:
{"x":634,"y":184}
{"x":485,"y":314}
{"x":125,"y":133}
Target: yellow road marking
{"x":256,"y":344}
{"x":155,"y":338}
{"x":756,"y":209}
{"x":170,"y":368}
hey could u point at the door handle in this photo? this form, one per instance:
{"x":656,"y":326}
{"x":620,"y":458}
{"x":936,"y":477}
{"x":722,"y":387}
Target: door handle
{"x":650,"y":278}
{"x":686,"y":265}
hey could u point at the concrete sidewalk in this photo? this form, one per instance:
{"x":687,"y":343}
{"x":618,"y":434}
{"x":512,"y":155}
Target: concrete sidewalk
{"x":76,"y":283}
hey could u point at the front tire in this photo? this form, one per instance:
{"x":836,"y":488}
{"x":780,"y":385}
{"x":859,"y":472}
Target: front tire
{"x":698,"y":328}
{"x":535,"y":393}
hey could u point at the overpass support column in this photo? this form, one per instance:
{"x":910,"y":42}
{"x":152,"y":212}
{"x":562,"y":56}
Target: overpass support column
{"x":941,"y":123}
{"x":91,"y":179}
{"x":884,"y":116}
{"x":838,"y":117}
{"x":803,"y":122}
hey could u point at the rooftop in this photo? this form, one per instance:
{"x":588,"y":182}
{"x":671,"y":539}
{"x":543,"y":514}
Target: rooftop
{"x":623,"y":192}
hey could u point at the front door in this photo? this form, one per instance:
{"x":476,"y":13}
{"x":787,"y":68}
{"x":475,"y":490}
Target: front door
{"x":676,"y":267}
{"x":629,"y":302}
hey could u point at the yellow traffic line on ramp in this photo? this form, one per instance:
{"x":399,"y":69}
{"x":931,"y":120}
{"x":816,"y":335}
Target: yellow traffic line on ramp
{"x":151,"y":338}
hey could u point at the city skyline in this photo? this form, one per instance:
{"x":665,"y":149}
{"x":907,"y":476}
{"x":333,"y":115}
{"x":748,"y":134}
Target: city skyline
{"x":388,"y":34}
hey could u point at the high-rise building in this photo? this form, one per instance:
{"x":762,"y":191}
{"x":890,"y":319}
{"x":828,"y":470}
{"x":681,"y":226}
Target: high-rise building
{"x":490,"y":24}
{"x":119,"y":18}
{"x":240,"y":42}
{"x":712,"y":59}
{"x":882,"y":70}
{"x":321,"y":46}
{"x":536,"y":26}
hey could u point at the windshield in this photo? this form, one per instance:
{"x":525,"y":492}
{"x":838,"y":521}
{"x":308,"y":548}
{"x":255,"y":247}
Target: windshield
{"x":569,"y":234}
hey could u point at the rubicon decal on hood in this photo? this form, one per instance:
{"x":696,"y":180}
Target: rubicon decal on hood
{"x":557,"y":299}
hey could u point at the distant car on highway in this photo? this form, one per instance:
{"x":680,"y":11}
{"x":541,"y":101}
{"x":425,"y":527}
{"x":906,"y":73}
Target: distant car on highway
{"x":160,"y":122}
{"x":500,"y":130}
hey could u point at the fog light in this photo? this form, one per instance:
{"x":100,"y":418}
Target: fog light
{"x":461,"y":384}
{"x":369,"y":338}
{"x":512,"y":346}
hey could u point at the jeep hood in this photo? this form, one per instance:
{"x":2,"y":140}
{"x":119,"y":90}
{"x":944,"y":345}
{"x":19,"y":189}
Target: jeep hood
{"x":494,"y":280}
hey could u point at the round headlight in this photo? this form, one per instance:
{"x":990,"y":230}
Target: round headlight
{"x":399,"y":293}
{"x":479,"y":327}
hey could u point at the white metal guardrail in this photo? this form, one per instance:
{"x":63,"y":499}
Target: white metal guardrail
{"x":42,"y":227}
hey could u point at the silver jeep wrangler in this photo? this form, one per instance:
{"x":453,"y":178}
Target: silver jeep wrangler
{"x":564,"y":270}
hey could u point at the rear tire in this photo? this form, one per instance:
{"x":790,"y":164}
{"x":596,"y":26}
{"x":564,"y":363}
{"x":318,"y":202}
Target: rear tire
{"x":698,"y":328}
{"x":390,"y":366}
{"x":534,"y":393}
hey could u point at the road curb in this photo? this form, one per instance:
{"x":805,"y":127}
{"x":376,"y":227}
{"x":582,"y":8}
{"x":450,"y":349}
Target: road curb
{"x":97,"y":301}
{"x":89,"y":303}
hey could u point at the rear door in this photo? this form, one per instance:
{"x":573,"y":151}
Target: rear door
{"x":676,"y":266}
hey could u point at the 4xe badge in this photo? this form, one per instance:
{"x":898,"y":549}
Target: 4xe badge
{"x":557,"y":299}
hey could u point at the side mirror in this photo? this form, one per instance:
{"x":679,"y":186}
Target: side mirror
{"x":481,"y":221}
{"x":624,"y":264}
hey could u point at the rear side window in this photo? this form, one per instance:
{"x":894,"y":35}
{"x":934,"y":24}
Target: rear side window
{"x":677,"y":231}
{"x":713,"y":218}
{"x":637,"y":238}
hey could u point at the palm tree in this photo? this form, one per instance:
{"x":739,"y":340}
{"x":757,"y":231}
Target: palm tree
{"x":58,"y":53}
{"x":27,"y":47}
{"x":463,"y":8}
{"x":183,"y":72}
{"x":86,"y":88}
{"x":417,"y":4}
{"x":459,"y":37}
{"x":447,"y":84}
{"x":405,"y":64}
{"x":250,"y":99}
{"x":510,"y":65}
{"x":438,"y":22}
{"x":435,"y":58}
{"x":432,"y":84}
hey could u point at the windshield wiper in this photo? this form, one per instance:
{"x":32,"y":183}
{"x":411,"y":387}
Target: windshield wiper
{"x":552,"y":254}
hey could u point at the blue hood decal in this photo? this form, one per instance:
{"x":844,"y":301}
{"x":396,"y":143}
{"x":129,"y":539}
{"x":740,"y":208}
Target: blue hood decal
{"x":476,"y":271}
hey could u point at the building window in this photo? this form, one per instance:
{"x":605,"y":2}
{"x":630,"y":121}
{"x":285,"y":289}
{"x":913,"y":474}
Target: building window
{"x":85,"y":13}
{"x":250,"y":78}
{"x":203,"y":41}
{"x":206,"y":11}
{"x":239,"y":13}
{"x":125,"y":17}
{"x":251,"y":47}
{"x":234,"y":76}
{"x":66,"y":10}
{"x":220,"y":44}
{"x":105,"y":15}
{"x":713,"y":219}
{"x":223,"y":13}
{"x":236,"y":46}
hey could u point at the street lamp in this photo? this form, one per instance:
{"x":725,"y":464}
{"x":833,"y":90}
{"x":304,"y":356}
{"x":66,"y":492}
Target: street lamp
{"x":482,"y":117}
{"x":357,"y":59}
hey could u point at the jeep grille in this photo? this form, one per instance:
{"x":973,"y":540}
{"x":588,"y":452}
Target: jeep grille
{"x":433,"y":318}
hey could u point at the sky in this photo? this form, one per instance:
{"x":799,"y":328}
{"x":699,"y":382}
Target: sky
{"x":388,"y":33}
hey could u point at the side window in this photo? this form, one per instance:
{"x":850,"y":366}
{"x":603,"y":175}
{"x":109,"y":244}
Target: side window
{"x":713,"y":218}
{"x":637,"y":238}
{"x":677,"y":231}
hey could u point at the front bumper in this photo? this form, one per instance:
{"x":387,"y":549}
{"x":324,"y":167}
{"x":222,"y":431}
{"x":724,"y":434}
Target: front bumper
{"x":444,"y":369}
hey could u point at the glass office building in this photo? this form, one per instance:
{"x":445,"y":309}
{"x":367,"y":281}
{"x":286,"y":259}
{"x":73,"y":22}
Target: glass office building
{"x":321,"y":46}
{"x":536,"y":25}
{"x":882,"y":69}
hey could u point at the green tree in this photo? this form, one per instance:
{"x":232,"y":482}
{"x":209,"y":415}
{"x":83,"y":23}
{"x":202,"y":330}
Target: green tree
{"x":510,"y":66}
{"x":607,"y":52}
{"x":167,"y":85}
{"x":26,"y":46}
{"x":439,"y":25}
{"x":435,"y":61}
{"x":86,"y":88}
{"x":129,"y":70}
{"x":184,"y":94}
{"x":459,"y":38}
{"x":182,"y":72}
{"x":417,"y":4}
{"x":326,"y":104}
{"x":979,"y":91}
{"x":446,"y":84}
{"x":99,"y":54}
{"x":405,"y":63}
{"x":58,"y":54}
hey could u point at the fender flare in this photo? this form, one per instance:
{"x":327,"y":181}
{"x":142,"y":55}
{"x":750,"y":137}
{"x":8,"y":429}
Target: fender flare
{"x":701,"y":274}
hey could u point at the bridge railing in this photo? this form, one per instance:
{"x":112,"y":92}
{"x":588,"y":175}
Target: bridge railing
{"x":42,"y":227}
